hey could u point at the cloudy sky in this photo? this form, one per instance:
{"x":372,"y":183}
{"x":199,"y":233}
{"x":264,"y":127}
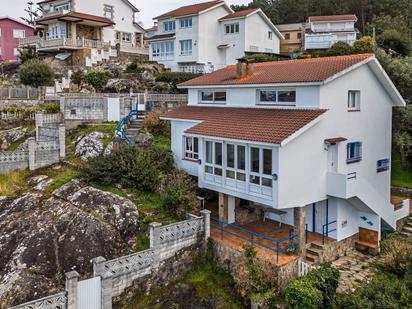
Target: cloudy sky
{"x":148,"y":8}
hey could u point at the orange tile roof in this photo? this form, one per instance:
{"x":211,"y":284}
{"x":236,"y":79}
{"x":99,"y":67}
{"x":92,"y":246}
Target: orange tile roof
{"x":290,"y":71}
{"x":237,"y":14}
{"x":333,"y":18}
{"x":250,"y":124}
{"x":189,"y":9}
{"x":81,"y":16}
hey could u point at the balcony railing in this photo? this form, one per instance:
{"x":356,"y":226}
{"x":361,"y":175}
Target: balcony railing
{"x":41,"y":43}
{"x":341,"y":185}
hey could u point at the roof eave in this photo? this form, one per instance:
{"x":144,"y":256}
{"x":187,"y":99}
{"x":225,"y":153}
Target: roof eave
{"x":314,"y":83}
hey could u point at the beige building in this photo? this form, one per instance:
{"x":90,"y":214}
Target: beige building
{"x":293,"y":37}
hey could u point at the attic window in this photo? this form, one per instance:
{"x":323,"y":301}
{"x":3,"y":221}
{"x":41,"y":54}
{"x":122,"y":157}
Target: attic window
{"x":232,"y":28}
{"x":108,"y":11}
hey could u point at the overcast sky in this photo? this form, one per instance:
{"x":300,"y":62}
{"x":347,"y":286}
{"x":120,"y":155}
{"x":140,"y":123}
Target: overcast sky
{"x":148,"y":8}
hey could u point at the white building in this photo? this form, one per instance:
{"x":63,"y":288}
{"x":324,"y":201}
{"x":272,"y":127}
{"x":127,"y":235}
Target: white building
{"x":104,"y":28}
{"x":324,"y":31}
{"x":208,"y":36}
{"x":300,"y":138}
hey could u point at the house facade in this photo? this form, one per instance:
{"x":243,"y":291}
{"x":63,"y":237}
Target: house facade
{"x":308,"y":139}
{"x":324,"y":31}
{"x":208,"y":36}
{"x":93,"y":29}
{"x":293,"y":37}
{"x":11,"y":30}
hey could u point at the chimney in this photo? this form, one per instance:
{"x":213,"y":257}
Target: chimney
{"x":243,"y":68}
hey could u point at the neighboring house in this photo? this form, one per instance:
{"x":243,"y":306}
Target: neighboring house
{"x":293,"y":36}
{"x":307,"y":140}
{"x":207,"y":36}
{"x":11,"y":30}
{"x":324,"y":31}
{"x":150,"y":32}
{"x":88,"y":29}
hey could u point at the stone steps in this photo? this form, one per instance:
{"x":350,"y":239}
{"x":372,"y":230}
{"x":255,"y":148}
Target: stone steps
{"x":314,"y":253}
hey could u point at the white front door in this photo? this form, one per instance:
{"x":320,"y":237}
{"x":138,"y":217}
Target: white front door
{"x":320,"y":216}
{"x":113,"y":109}
{"x":333,"y":158}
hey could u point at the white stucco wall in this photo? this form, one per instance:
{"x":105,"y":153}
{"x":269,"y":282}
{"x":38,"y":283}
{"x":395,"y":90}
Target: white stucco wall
{"x":306,"y":97}
{"x":235,"y":41}
{"x":257,"y":35}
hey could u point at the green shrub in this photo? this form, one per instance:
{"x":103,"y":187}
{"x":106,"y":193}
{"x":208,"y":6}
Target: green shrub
{"x":302,"y":294}
{"x":178,"y":194}
{"x":52,"y":108}
{"x":395,"y":255}
{"x":27,"y":53}
{"x":134,"y":68}
{"x":175,"y":78}
{"x":131,"y":167}
{"x":77,"y":78}
{"x":363,"y":45}
{"x":153,"y":124}
{"x":97,"y":79}
{"x":322,"y":281}
{"x":36,"y":73}
{"x":256,"y":58}
{"x":340,"y":49}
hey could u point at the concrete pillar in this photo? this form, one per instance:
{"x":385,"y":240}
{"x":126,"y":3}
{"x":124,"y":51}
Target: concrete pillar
{"x":32,"y":153}
{"x":73,"y":30}
{"x":62,"y":106}
{"x":39,"y":121}
{"x":62,"y":141}
{"x":223,"y":207}
{"x":299,"y":220}
{"x":206,"y":221}
{"x":107,"y":287}
{"x":98,"y":266}
{"x":154,"y":242}
{"x":72,"y":279}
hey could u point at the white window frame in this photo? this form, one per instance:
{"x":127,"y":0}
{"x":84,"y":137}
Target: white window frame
{"x":189,"y":151}
{"x":276,"y":102}
{"x":186,"y":47}
{"x":270,"y":35}
{"x":163,"y":50}
{"x":186,"y":23}
{"x":169,"y":26}
{"x":213,"y":165}
{"x":57,"y":31}
{"x":236,"y":170}
{"x":357,"y":155}
{"x":61,"y":7}
{"x":126,"y":37}
{"x":261,"y":175}
{"x":0,"y":32}
{"x":213,"y":101}
{"x":19,"y":33}
{"x":231,"y":28}
{"x":354,"y":100}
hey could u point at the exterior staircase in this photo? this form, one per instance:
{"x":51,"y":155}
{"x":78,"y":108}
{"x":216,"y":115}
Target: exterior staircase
{"x":407,"y":228}
{"x":133,"y":129}
{"x":314,"y":253}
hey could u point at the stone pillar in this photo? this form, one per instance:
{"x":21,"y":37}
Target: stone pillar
{"x":299,"y":220}
{"x":98,"y":266}
{"x":62,"y":107}
{"x":72,"y":279}
{"x":73,"y":29}
{"x":107,"y":288}
{"x":206,"y":221}
{"x":62,"y":141}
{"x":39,"y":121}
{"x":223,"y":207}
{"x":32,"y":153}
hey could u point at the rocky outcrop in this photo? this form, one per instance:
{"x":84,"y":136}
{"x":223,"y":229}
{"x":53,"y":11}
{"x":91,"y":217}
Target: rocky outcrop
{"x":11,"y":136}
{"x":42,"y":237}
{"x":89,"y":146}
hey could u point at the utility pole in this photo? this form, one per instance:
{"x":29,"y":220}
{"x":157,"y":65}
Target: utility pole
{"x":374,"y":39}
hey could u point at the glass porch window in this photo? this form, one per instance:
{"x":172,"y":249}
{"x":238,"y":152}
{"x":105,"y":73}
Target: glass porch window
{"x":214,"y":158}
{"x":261,"y":166}
{"x":191,"y":147}
{"x":235,"y":162}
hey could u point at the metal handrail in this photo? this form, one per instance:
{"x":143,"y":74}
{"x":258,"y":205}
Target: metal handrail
{"x":252,"y":238}
{"x":119,"y":131}
{"x":325,"y":227}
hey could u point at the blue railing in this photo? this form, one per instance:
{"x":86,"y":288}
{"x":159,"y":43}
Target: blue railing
{"x":326,"y":230}
{"x":306,"y":233}
{"x":253,"y":237}
{"x":123,"y":123}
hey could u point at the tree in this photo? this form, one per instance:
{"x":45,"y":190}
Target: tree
{"x":32,"y":13}
{"x":393,"y":40}
{"x":36,"y":73}
{"x":340,"y":49}
{"x":77,"y":78}
{"x":363,"y":45}
{"x":27,"y":53}
{"x":97,"y":79}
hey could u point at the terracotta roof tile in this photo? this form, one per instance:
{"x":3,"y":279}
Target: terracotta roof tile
{"x":250,"y":124}
{"x":290,"y":71}
{"x":189,"y":9}
{"x":333,"y":18}
{"x":237,"y":14}
{"x":78,"y":15}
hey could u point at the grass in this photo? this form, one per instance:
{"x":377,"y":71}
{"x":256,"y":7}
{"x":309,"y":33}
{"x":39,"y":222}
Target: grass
{"x":401,"y":177}
{"x":161,"y":141}
{"x":13,"y":183}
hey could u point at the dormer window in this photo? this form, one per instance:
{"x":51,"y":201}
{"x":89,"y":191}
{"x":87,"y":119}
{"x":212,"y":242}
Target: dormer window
{"x":169,"y":26}
{"x":281,"y":97}
{"x":213,"y":96}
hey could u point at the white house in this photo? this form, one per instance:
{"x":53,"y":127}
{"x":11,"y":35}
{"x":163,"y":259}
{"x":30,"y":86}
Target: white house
{"x":75,"y":25}
{"x":324,"y":31}
{"x":301,"y":138}
{"x":207,"y":36}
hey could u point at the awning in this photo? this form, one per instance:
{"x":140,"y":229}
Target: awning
{"x":335,"y":140}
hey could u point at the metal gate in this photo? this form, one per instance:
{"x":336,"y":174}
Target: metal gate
{"x":89,"y":293}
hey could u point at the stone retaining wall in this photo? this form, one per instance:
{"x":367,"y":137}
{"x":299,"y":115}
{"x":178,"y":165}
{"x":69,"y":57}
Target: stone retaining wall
{"x":333,"y":251}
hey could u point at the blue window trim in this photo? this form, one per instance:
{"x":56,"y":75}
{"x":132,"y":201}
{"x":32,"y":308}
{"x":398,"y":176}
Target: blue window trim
{"x":382,"y":165}
{"x":357,"y":152}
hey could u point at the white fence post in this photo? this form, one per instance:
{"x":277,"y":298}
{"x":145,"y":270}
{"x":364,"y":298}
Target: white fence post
{"x":32,"y":153}
{"x":206,"y":221}
{"x":62,"y":141}
{"x":72,"y":279}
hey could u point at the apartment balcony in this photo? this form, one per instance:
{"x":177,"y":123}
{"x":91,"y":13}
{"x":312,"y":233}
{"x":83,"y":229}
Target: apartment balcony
{"x":42,"y":44}
{"x":341,"y":185}
{"x":129,"y":47}
{"x":200,"y":68}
